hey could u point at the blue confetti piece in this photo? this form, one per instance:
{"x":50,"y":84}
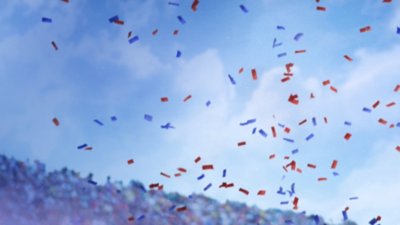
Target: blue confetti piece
{"x":365,"y":109}
{"x":244,"y":9}
{"x":284,"y":202}
{"x":254,"y":130}
{"x":262,"y":132}
{"x":181,"y":20}
{"x":275,"y":44}
{"x":167,"y":126}
{"x":250,"y":121}
{"x":208,"y":103}
{"x":82,"y":146}
{"x":46,"y":20}
{"x":316,"y":219}
{"x":280,"y":27}
{"x":295,"y":151}
{"x":347,"y":123}
{"x":207,"y":187}
{"x":200,"y":177}
{"x":98,"y":122}
{"x":398,"y":124}
{"x":298,"y":36}
{"x":148,"y":117}
{"x":224,"y":173}
{"x":173,"y":3}
{"x":141,"y":217}
{"x":288,"y":140}
{"x":92,"y":182}
{"x":133,"y":39}
{"x":281,"y":125}
{"x":172,"y":207}
{"x":282,"y":54}
{"x":353,"y":198}
{"x":398,"y":30}
{"x":113,"y":19}
{"x":314,"y":121}
{"x":289,"y":221}
{"x":280,"y":191}
{"x":309,"y":137}
{"x":178,"y":54}
{"x":231,"y":79}
{"x":113,"y":118}
{"x":373,"y":221}
{"x":344,"y":213}
{"x":335,"y":174}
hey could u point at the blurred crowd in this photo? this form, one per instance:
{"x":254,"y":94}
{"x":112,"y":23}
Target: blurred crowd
{"x":30,"y":195}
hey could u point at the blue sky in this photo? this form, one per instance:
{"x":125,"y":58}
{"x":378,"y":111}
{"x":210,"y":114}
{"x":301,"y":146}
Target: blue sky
{"x":97,"y":74}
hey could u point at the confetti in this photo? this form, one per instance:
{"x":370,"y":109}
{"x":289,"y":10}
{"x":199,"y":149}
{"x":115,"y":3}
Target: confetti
{"x":133,"y":39}
{"x":181,"y":20}
{"x":167,"y":126}
{"x":321,"y":8}
{"x":250,"y":121}
{"x":282,"y":54}
{"x":208,"y":103}
{"x":148,"y":117}
{"x":208,"y":167}
{"x":298,"y":36}
{"x":178,"y":54}
{"x":312,"y":166}
{"x":353,"y":198}
{"x":347,"y":123}
{"x":365,"y":29}
{"x":187,"y":98}
{"x":198,"y":158}
{"x":130,"y":161}
{"x":243,"y":8}
{"x":244,"y":191}
{"x":261,"y":192}
{"x":254,"y":74}
{"x":98,"y":122}
{"x":113,"y":19}
{"x":165,"y":175}
{"x":56,"y":122}
{"x":224,"y":173}
{"x":347,"y":136}
{"x":348,"y":58}
{"x":375,"y":104}
{"x":46,"y":20}
{"x":231,"y":79}
{"x":173,"y":3}
{"x":322,"y":179}
{"x":82,"y":146}
{"x":54,"y":45}
{"x":262,"y":132}
{"x":200,"y":177}
{"x":334,"y":164}
{"x":309,"y":137}
{"x":295,"y":151}
{"x":280,"y":27}
{"x":242,"y":143}
{"x":195,"y":4}
{"x":293,"y":99}
{"x":164,"y":99}
{"x":154,"y":32}
{"x":113,"y":118}
{"x":207,"y":187}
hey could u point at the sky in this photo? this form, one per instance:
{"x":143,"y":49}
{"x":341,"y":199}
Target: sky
{"x":96,"y":74}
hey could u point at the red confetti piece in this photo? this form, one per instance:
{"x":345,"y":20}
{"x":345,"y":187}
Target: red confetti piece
{"x":177,"y":175}
{"x":261,"y":192}
{"x":299,"y":51}
{"x":175,"y":32}
{"x":131,"y":218}
{"x":183,"y":170}
{"x":208,"y":167}
{"x":287,"y":130}
{"x":195,"y":4}
{"x":154,"y":32}
{"x":151,"y":186}
{"x":119,"y":22}
{"x":244,"y":191}
{"x":283,"y":80}
{"x":292,"y":165}
{"x":273,"y":132}
{"x":333,"y":89}
{"x":312,"y":95}
{"x":288,"y":67}
{"x":391,"y":104}
{"x":165,"y":175}
{"x":286,"y":157}
{"x":226,"y":185}
{"x":288,"y":74}
{"x":348,"y":58}
{"x":272,"y":156}
{"x":241,"y":70}
{"x":325,"y":120}
{"x":89,"y":148}
{"x":334,"y":164}
{"x":302,"y":122}
{"x":312,"y":166}
{"x":293,"y":99}
{"x":187,"y":98}
{"x":397,"y":88}
{"x":295,"y":203}
{"x":56,"y":122}
{"x":129,"y":34}
{"x":254,"y":74}
{"x":375,"y":104}
{"x":326,"y":82}
{"x":322,"y":179}
{"x":54,"y":45}
{"x":181,"y":209}
{"x":382,"y":121}
{"x":164,"y":99}
{"x":321,"y":8}
{"x":398,"y":148}
{"x":66,"y":1}
{"x":241,"y":143}
{"x":347,"y":136}
{"x":130,"y":161}
{"x":299,"y":170}
{"x":387,"y":1}
{"x":198,"y":158}
{"x":365,"y":29}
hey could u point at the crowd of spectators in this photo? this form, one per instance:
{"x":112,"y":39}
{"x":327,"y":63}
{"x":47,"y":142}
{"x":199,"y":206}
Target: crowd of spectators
{"x":30,"y":195}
